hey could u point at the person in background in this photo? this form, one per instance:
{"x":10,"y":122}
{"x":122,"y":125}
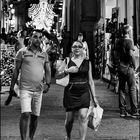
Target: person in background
{"x":65,"y":44}
{"x":126,"y":71}
{"x":85,"y":45}
{"x":3,"y":45}
{"x":46,"y":41}
{"x":33,"y":64}
{"x":3,"y":36}
{"x":21,"y":35}
{"x":77,"y":92}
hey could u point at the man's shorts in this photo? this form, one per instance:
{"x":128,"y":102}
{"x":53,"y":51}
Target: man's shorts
{"x":31,"y":102}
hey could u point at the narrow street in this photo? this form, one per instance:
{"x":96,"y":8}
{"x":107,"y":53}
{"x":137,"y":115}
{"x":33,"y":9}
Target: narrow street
{"x":103,"y":31}
{"x":51,"y":121}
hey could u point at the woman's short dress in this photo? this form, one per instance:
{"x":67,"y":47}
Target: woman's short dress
{"x":77,"y":93}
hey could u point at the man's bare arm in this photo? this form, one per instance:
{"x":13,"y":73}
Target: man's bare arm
{"x":15,"y":73}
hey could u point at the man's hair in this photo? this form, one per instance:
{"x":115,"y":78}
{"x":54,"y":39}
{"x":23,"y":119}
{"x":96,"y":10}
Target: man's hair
{"x":126,"y":29}
{"x":36,"y":30}
{"x":46,"y":34}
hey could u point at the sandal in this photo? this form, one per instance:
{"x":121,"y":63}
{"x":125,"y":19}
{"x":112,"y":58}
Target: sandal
{"x":66,"y":138}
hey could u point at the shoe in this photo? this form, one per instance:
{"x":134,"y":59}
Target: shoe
{"x":135,"y":115}
{"x":123,"y":113}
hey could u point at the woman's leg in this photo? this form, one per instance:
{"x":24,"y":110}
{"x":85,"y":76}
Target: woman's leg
{"x":69,"y":123}
{"x":83,"y":123}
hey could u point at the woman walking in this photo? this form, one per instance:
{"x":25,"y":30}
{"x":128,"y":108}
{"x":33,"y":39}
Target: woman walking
{"x":77,"y":92}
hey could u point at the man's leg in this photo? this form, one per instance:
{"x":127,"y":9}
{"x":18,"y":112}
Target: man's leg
{"x":33,"y":126}
{"x":122,"y":96}
{"x":23,"y":124}
{"x":132,"y":91}
{"x":36,"y":107}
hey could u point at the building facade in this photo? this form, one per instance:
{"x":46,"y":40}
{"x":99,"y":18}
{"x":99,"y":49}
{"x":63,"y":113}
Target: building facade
{"x":87,"y":16}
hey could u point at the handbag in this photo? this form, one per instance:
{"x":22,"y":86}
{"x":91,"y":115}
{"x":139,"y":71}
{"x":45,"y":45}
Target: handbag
{"x":95,"y":116}
{"x":63,"y":80}
{"x":95,"y":113}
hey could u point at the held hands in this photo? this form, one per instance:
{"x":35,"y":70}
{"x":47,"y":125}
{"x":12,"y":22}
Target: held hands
{"x":72,"y":69}
{"x":94,"y":102}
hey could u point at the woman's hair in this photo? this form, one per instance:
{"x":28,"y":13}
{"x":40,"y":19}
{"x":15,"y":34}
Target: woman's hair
{"x":80,"y":34}
{"x":78,"y":42}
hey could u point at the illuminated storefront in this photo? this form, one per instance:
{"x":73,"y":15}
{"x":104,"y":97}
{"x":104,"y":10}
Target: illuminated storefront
{"x":17,"y":14}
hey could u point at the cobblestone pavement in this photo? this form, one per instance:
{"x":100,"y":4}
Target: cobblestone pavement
{"x":51,"y":121}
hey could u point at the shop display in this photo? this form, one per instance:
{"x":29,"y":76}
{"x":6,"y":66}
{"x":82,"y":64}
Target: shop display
{"x":7,"y":65}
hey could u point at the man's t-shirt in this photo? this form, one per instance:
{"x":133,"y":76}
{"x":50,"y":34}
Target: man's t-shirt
{"x":123,"y":47}
{"x":32,"y":69}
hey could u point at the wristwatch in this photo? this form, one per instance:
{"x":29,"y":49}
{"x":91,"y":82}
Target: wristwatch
{"x":48,"y":84}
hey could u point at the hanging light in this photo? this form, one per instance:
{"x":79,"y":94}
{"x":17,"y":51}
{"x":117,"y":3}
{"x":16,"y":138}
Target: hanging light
{"x":12,"y":11}
{"x":11,"y":5}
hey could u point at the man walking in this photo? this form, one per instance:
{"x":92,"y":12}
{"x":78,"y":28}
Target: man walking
{"x":126,"y":69}
{"x":34,"y":67}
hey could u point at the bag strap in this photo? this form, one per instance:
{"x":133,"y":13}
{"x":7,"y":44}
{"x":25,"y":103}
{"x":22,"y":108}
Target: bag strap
{"x":94,"y":103}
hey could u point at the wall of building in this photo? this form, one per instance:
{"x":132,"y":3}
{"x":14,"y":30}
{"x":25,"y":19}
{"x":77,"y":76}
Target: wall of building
{"x":122,"y":9}
{"x":0,"y":15}
{"x":130,"y":11}
{"x":138,"y":20}
{"x":20,"y":11}
{"x":109,"y":4}
{"x":126,"y":10}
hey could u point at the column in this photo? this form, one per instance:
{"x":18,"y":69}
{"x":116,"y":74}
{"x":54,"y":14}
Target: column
{"x":122,"y":9}
{"x":130,"y":12}
{"x":0,"y":15}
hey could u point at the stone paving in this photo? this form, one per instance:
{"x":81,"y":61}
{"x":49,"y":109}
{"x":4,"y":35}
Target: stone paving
{"x":51,"y":121}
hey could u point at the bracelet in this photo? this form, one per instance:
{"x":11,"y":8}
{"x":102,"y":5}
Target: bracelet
{"x":66,"y":71}
{"x":48,"y":84}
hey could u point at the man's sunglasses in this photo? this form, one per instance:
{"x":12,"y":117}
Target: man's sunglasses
{"x":77,"y":46}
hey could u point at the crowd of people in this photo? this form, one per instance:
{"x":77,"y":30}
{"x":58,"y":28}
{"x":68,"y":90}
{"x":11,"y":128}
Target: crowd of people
{"x":32,"y":72}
